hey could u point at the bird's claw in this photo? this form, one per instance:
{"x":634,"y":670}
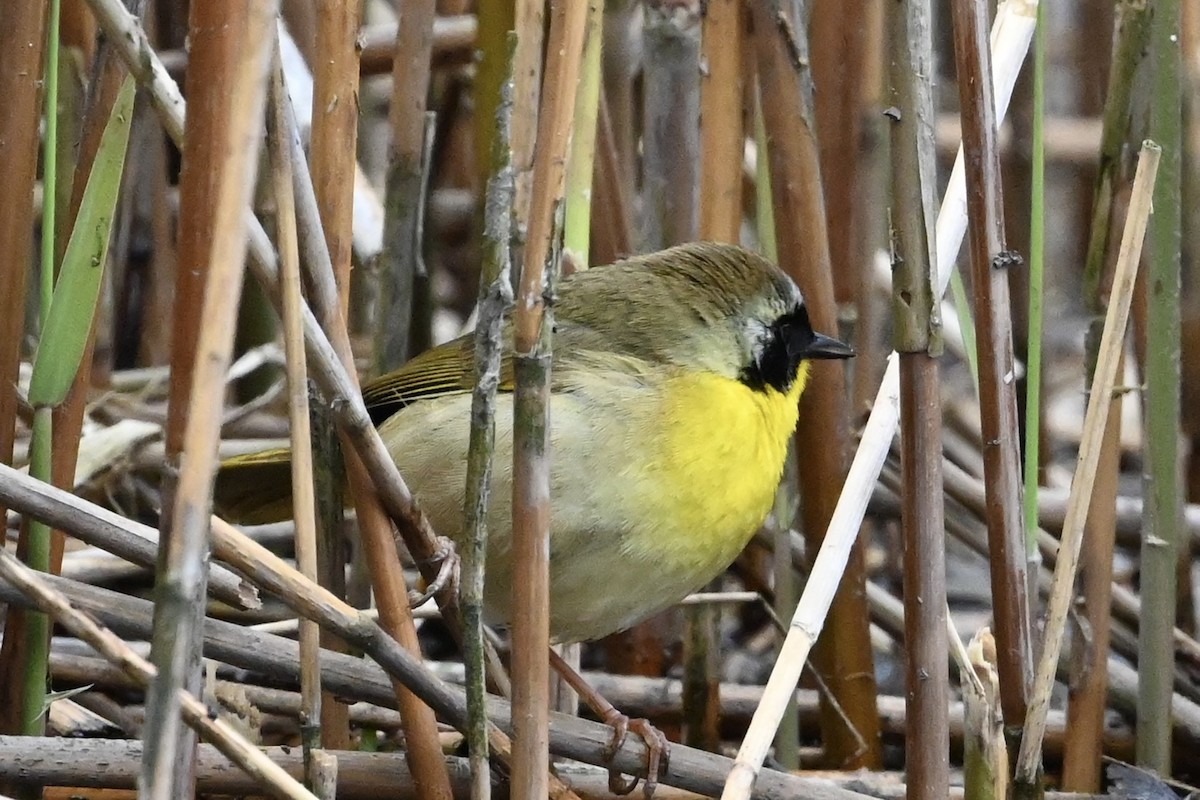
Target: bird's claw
{"x":658,"y":753}
{"x":447,"y":577}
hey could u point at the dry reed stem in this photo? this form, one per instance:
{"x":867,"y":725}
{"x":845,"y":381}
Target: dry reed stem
{"x":303,"y":497}
{"x":217,"y":215}
{"x":990,"y":261}
{"x":532,"y":324}
{"x":1099,"y":400}
{"x":722,"y":139}
{"x":985,"y":757}
{"x":194,"y":712}
{"x":99,"y":527}
{"x":1012,"y":34}
{"x":453,"y":40}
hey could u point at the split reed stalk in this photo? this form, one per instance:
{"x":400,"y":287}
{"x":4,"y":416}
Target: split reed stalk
{"x":223,"y":171}
{"x":303,"y":499}
{"x":990,"y":261}
{"x":529,"y":23}
{"x":1111,"y":345}
{"x":532,"y":326}
{"x":918,"y":341}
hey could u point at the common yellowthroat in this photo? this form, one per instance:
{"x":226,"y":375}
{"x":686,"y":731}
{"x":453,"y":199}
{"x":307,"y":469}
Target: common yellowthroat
{"x":676,"y":379}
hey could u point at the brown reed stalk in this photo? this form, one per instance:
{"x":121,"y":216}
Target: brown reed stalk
{"x":238,"y":42}
{"x":722,"y":138}
{"x":335,"y":129}
{"x":843,"y":654}
{"x":532,"y":326}
{"x":918,"y":341}
{"x":22,"y":45}
{"x":990,"y":259}
{"x":670,"y":112}
{"x":839,"y":59}
{"x":404,"y":191}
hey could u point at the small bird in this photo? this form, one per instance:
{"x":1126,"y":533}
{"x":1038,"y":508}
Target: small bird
{"x":676,"y":378}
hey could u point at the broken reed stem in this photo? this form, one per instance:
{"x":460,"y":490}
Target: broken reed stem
{"x":985,"y":753}
{"x":1099,"y":400}
{"x":990,"y":260}
{"x":495,"y":298}
{"x":1162,"y":478}
{"x":532,"y":326}
{"x":1087,"y":702}
{"x":303,"y":498}
{"x":1013,"y":31}
{"x":227,"y":739}
{"x":180,"y":589}
{"x":918,"y":340}
{"x":843,"y":659}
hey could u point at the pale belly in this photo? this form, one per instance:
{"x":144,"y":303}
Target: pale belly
{"x":642,"y":514}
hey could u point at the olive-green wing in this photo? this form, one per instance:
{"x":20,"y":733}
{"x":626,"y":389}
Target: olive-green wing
{"x":445,"y":370}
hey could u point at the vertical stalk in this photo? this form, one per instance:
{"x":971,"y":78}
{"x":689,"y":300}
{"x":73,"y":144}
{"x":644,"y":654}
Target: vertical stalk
{"x":1163,"y":479}
{"x":303,"y":500}
{"x":671,"y":112}
{"x":844,"y":654}
{"x":239,"y":42}
{"x":838,"y":60}
{"x":495,"y":298}
{"x":332,"y":156}
{"x":722,"y":139}
{"x":532,"y":327}
{"x":404,"y":195}
{"x":990,"y":259}
{"x":1037,"y":256}
{"x":918,"y":341}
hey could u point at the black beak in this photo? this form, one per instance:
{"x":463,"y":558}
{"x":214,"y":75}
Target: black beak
{"x":822,"y":346}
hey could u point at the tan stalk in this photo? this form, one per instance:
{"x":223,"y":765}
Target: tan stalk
{"x":529,"y":22}
{"x":722,"y":138}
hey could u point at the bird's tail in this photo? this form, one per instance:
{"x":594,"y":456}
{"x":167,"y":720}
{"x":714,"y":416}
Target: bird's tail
{"x":255,"y":489}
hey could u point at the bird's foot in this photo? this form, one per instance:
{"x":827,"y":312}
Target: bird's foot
{"x":446,"y":582}
{"x":658,"y":752}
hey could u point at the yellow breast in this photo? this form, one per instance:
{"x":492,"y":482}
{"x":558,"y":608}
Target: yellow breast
{"x":715,"y":467}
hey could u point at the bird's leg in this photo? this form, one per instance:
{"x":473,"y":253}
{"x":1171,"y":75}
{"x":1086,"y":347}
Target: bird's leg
{"x":658,"y":747}
{"x":447,"y":577}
